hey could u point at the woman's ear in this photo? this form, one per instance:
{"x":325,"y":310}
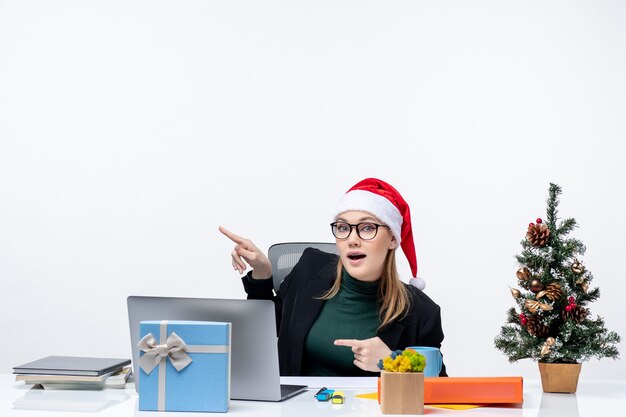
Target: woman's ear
{"x":394,"y":243}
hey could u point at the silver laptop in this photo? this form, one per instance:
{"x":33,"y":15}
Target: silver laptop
{"x":254,"y":361}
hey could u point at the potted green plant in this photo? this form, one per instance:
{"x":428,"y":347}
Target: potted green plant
{"x":402,"y":382}
{"x":552,"y":323}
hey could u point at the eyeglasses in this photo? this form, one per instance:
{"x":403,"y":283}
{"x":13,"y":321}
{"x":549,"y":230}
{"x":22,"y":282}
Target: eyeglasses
{"x":366,"y":231}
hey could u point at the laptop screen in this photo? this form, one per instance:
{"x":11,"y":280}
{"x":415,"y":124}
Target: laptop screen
{"x":254,"y":360}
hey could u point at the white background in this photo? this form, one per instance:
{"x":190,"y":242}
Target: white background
{"x":129,"y":130}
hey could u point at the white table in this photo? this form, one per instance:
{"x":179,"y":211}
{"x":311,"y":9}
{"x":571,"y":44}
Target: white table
{"x":593,"y":399}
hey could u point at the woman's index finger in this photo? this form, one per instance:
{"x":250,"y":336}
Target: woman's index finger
{"x":235,"y":238}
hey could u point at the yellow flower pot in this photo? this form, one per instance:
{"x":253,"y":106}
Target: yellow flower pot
{"x":402,"y":392}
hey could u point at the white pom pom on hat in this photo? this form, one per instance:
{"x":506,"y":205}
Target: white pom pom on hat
{"x":418,"y":282}
{"x":385,"y":202}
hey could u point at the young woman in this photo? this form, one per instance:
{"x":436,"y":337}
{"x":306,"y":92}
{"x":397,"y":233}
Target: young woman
{"x":339,"y":315}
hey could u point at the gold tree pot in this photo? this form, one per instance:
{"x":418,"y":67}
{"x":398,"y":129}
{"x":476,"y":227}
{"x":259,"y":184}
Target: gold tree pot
{"x":559,"y":377}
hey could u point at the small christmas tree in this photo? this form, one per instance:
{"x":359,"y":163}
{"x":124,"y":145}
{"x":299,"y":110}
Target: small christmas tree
{"x":553,"y":323}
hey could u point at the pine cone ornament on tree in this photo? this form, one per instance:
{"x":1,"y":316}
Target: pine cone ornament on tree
{"x":578,"y":314}
{"x":536,"y":327}
{"x":538,"y":234}
{"x":553,"y":291}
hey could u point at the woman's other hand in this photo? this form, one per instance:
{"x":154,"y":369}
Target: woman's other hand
{"x":367,"y":352}
{"x":246,"y":252}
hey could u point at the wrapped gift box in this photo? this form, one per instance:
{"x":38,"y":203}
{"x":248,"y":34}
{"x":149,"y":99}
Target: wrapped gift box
{"x":471,"y":390}
{"x":185,"y":366}
{"x":474,"y":390}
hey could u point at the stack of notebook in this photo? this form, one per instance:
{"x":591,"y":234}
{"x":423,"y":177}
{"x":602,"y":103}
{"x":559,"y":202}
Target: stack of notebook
{"x":71,"y":372}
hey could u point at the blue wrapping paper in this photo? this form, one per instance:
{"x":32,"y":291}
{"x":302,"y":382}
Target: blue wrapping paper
{"x":203,"y":384}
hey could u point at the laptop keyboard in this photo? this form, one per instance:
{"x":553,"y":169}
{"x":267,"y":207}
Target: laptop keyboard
{"x":289,"y":390}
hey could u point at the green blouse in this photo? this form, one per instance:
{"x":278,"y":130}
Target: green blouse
{"x":351,"y":314}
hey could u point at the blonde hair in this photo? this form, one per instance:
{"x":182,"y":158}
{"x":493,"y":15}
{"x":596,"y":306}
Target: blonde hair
{"x":393,"y":295}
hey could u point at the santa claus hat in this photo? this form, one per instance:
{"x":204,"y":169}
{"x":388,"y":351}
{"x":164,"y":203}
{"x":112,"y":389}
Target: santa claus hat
{"x":385,"y":202}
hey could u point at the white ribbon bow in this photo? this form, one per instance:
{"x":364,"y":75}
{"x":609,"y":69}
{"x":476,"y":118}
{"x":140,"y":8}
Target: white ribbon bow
{"x":174,"y":348}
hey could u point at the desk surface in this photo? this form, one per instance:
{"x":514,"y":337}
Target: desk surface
{"x":594,"y":398}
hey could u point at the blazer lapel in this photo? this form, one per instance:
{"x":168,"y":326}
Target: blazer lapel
{"x":391,"y":335}
{"x":308,"y":305}
{"x":306,"y":309}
